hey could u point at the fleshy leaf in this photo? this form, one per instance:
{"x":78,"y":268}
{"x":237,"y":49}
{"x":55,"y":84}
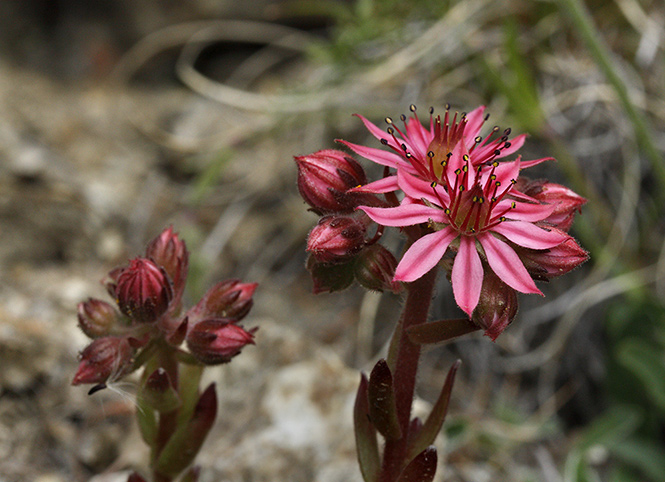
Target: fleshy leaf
{"x":422,"y":468}
{"x":434,"y":422}
{"x":382,"y":405}
{"x":184,"y":444}
{"x":441,"y":330}
{"x":366,"y":444}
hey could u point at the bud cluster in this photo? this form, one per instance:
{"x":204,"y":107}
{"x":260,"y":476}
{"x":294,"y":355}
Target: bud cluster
{"x":340,"y":251}
{"x":148,"y":294}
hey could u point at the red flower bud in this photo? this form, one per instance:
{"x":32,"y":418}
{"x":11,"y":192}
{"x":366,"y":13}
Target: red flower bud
{"x":229,"y":299}
{"x":549,"y":263}
{"x":336,"y":238}
{"x":497,"y":306}
{"x":375,"y":269}
{"x":325,"y":176}
{"x":566,"y":201}
{"x":143,"y":291}
{"x":96,"y":317}
{"x":328,"y":278}
{"x":103,"y":358}
{"x":217,"y":341}
{"x":169,"y":251}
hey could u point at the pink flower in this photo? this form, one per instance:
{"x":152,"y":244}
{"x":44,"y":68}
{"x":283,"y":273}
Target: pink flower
{"x":474,"y":208}
{"x":423,"y":151}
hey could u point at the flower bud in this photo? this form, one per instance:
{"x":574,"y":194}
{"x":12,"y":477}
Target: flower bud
{"x":103,"y":358}
{"x":228,"y":299}
{"x":566,"y":201}
{"x":544,"y":264}
{"x":325,"y":176}
{"x":375,"y":267}
{"x":96,"y":317}
{"x":328,"y":278}
{"x":497,"y":306}
{"x":336,"y":238}
{"x":169,"y":251}
{"x":143,"y":291}
{"x":217,"y":341}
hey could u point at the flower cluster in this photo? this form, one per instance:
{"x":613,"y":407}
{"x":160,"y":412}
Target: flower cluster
{"x":148,"y":293}
{"x":463,"y":205}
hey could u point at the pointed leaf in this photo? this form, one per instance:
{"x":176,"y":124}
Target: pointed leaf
{"x":434,"y":422}
{"x":366,"y":443}
{"x":158,"y":392}
{"x":382,"y":405}
{"x":422,"y":468}
{"x":186,"y":441}
{"x":441,"y":330}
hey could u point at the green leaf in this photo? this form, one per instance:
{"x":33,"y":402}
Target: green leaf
{"x":615,"y":425}
{"x":644,"y":455}
{"x":434,"y":422}
{"x":648,"y":364}
{"x":366,"y":443}
{"x":382,"y":404}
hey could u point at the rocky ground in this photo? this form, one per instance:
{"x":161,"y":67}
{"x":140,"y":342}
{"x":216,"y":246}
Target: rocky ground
{"x":106,"y":138}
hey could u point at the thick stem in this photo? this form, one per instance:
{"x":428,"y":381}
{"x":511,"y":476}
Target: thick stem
{"x":403,"y":363}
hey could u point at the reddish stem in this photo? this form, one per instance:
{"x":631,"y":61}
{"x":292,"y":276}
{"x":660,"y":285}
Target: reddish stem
{"x":404,"y":367}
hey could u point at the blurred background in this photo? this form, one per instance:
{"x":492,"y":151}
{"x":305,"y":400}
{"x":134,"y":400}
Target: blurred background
{"x":119,"y":117}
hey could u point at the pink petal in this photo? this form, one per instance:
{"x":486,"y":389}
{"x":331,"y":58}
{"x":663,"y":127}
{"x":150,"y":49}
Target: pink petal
{"x":423,"y":255}
{"x":529,"y":235}
{"x":403,"y":215}
{"x":419,"y":137}
{"x":535,"y":162}
{"x":523,"y":211}
{"x":506,"y":264}
{"x":419,"y":189}
{"x":387,"y":184}
{"x":474,"y":121}
{"x":467,"y":275}
{"x":516,"y":144}
{"x":385,"y":158}
{"x":379,"y":134}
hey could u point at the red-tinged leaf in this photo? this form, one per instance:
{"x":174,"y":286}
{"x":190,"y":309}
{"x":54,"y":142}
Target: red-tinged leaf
{"x":441,"y":330}
{"x":181,"y":449}
{"x":134,"y":477}
{"x":382,"y":405}
{"x":422,"y":468}
{"x":366,"y":443}
{"x":434,"y":421}
{"x":158,"y":393}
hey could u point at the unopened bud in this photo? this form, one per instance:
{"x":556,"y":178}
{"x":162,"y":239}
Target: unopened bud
{"x":325,"y":176}
{"x":227,"y":299}
{"x":497,"y":306}
{"x":328,"y":278}
{"x":169,"y":251}
{"x":375,"y":267}
{"x":143,"y":291}
{"x":567,"y":202}
{"x":96,"y":317}
{"x":336,"y":238}
{"x":103,"y":358}
{"x":218,"y":340}
{"x":549,"y":263}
